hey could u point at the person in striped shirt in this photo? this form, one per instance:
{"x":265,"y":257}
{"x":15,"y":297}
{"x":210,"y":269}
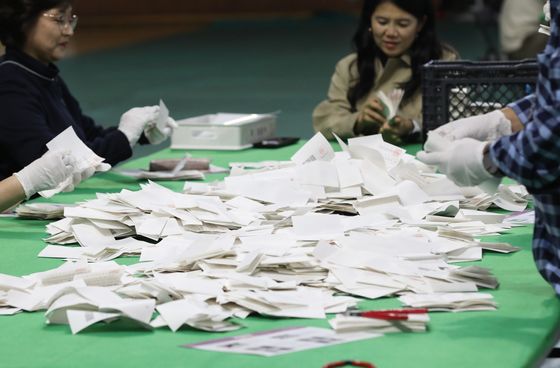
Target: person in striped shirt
{"x":521,"y":141}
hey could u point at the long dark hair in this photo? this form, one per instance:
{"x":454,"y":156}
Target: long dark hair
{"x":18,"y":16}
{"x":425,"y":47}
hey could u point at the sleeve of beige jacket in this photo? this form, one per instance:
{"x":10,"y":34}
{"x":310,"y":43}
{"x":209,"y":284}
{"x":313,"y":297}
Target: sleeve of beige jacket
{"x":334,"y":115}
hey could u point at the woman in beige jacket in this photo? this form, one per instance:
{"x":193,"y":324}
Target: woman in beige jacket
{"x":394,"y":39}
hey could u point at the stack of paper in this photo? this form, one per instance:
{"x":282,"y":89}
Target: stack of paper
{"x":456,"y":302}
{"x":415,"y":323}
{"x":163,"y":175}
{"x":42,"y":211}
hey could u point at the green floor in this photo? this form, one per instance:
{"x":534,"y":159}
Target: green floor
{"x":231,"y":66}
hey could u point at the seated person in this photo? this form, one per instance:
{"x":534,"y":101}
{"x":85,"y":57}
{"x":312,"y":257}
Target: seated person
{"x":47,"y":172}
{"x":36,"y":104}
{"x":394,"y":39}
{"x":519,"y":22}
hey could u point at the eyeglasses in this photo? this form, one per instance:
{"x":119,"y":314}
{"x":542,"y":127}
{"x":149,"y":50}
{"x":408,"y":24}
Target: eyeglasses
{"x":63,"y":21}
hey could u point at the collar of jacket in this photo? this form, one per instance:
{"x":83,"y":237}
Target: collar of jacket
{"x":31,"y":64}
{"x":406,"y":59}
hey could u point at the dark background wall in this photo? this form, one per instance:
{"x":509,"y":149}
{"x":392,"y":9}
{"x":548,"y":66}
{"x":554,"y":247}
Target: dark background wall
{"x":193,"y":7}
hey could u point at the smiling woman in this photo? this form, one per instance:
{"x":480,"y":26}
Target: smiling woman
{"x":393,"y":40}
{"x":35,"y":102}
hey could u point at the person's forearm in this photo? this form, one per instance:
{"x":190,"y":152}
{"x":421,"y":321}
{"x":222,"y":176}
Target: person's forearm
{"x":516,"y":124}
{"x":11,"y":192}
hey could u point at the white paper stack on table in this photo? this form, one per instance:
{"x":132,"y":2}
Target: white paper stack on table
{"x":454,"y":302}
{"x":163,"y":175}
{"x":43,"y":211}
{"x":414,"y":323}
{"x":269,"y":240}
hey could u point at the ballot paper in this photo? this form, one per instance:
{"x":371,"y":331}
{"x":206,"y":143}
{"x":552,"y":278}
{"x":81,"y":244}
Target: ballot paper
{"x":85,"y":157}
{"x":163,"y":116}
{"x":391,"y":102}
{"x":346,"y":324}
{"x":512,"y":198}
{"x":456,"y":302}
{"x":42,"y":211}
{"x":525,"y":217}
{"x":281,"y":341}
{"x":289,"y":239}
{"x":544,"y":29}
{"x":317,"y":148}
{"x":163,"y":175}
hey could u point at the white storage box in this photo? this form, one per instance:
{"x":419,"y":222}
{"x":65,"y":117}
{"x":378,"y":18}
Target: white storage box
{"x":223,"y":131}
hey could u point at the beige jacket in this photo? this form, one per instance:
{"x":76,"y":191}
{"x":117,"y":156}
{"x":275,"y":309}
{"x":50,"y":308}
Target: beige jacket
{"x":335,"y":113}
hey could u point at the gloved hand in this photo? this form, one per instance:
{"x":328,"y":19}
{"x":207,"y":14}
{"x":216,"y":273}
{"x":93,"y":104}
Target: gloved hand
{"x":546,"y":11}
{"x":46,"y":172}
{"x":78,"y":177}
{"x":134,"y":121}
{"x":487,"y":127}
{"x":156,"y":136}
{"x":461,"y":162}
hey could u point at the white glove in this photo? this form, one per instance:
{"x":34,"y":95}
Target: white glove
{"x":487,"y":127}
{"x":156,"y":136}
{"x":78,"y":177}
{"x":461,"y":162}
{"x":134,"y":121}
{"x":546,"y":11}
{"x":46,"y":172}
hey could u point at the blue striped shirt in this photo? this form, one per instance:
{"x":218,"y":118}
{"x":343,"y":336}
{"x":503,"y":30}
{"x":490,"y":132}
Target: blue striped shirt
{"x":532,"y":155}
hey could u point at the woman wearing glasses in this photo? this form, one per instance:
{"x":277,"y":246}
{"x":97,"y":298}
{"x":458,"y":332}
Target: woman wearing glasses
{"x":35,"y":103}
{"x":393,"y":40}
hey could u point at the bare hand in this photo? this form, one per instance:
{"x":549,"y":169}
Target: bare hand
{"x":370,"y":118}
{"x":395,"y":129}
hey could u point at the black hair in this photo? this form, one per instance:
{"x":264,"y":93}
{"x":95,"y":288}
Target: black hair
{"x":18,"y":16}
{"x":425,"y":47}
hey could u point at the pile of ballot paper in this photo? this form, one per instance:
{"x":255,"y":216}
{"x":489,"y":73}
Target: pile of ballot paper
{"x":450,"y":301}
{"x":413,"y":323}
{"x":42,"y":211}
{"x":299,"y":239}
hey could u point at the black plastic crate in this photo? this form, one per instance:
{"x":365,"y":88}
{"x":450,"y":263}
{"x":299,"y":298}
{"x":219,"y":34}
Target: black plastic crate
{"x":457,"y":89}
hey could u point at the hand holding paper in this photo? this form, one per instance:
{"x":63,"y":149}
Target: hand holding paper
{"x":86,"y":161}
{"x":159,"y":130}
{"x":461,"y":162}
{"x":379,"y":114}
{"x":487,"y":127}
{"x":134,"y":121}
{"x":371,"y":117}
{"x":48,"y":171}
{"x":396,"y":128}
{"x":391,"y":102}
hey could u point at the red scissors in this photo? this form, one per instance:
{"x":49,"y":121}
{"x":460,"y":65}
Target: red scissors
{"x":389,"y":314}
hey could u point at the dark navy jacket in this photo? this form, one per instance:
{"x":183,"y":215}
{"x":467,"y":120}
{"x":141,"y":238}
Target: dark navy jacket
{"x":35,"y":106}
